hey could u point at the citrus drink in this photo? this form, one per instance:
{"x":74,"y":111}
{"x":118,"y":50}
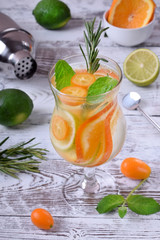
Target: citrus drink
{"x":87,"y":131}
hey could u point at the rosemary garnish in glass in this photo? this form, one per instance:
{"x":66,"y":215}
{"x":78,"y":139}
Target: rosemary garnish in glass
{"x":20,"y":158}
{"x":92,"y":39}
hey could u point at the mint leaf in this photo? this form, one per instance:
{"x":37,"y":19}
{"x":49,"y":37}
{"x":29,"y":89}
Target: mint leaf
{"x":109,"y":203}
{"x":122,"y":211}
{"x":101,"y":85}
{"x":63,"y":74}
{"x":143,"y":205}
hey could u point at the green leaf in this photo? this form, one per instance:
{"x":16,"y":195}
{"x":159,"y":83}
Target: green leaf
{"x":109,"y":203}
{"x":101,"y":85}
{"x":122,"y":211}
{"x":63,"y":74}
{"x":143,"y":205}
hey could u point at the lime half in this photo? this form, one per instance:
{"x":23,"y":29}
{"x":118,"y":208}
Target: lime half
{"x":141,"y":67}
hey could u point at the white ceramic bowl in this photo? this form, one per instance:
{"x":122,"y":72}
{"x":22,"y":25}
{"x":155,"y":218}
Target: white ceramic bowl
{"x":125,"y":36}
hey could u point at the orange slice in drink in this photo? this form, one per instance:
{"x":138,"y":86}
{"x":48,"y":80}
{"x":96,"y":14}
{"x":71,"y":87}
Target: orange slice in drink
{"x":108,"y":140}
{"x":83,"y":79}
{"x":74,"y":95}
{"x":60,"y":127}
{"x":89,"y":141}
{"x":62,"y":130}
{"x":131,"y":14}
{"x":93,"y":138}
{"x":105,"y":72}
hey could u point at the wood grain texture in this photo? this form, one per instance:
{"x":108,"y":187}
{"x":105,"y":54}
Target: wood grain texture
{"x":18,"y":197}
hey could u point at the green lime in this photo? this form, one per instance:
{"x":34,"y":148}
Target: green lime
{"x":52,"y":14}
{"x":141,"y":67}
{"x":15,"y":107}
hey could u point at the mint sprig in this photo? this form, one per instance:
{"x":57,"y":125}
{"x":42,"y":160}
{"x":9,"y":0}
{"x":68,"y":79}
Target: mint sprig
{"x":63,"y":74}
{"x":137,"y":203}
{"x":122,"y":211}
{"x":143,"y":205}
{"x":101,"y":85}
{"x":109,"y":203}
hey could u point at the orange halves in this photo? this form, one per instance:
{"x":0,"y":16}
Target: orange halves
{"x":132,"y":13}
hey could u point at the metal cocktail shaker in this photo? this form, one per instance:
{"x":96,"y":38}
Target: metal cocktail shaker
{"x":16,"y":46}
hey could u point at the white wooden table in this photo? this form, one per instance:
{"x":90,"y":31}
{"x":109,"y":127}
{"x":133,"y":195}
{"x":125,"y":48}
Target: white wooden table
{"x":18,"y":198}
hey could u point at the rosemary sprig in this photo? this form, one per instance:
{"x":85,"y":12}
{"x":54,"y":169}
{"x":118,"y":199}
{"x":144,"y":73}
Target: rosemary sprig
{"x":20,"y":158}
{"x":92,"y":39}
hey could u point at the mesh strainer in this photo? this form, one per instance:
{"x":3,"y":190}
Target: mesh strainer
{"x":16,"y":46}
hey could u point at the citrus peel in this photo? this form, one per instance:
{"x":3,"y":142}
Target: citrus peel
{"x":93,"y":138}
{"x":131,"y":14}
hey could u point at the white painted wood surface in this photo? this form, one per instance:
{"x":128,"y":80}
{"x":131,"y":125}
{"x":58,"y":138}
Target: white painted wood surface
{"x":19,"y":197}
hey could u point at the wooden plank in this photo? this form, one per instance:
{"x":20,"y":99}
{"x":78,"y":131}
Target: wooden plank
{"x":108,"y":227}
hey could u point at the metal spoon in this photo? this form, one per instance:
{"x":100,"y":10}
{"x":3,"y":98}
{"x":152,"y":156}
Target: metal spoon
{"x":131,"y":101}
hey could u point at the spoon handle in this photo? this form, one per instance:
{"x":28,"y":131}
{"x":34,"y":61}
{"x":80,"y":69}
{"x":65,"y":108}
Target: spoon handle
{"x":149,"y":119}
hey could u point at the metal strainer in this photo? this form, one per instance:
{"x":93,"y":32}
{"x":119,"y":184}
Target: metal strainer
{"x":25,"y":67}
{"x":16,"y":46}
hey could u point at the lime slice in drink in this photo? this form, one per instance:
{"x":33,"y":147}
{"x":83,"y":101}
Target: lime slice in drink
{"x":67,"y":142}
{"x":141,"y":67}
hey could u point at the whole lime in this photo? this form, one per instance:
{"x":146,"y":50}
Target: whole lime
{"x":15,"y":107}
{"x":52,"y":14}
